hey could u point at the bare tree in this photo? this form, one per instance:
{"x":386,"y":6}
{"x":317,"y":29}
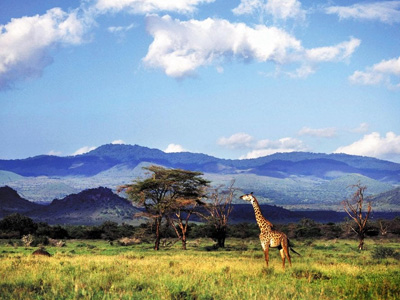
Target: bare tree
{"x":218,"y":210}
{"x":179,"y":217}
{"x":354,"y":208}
{"x":383,"y":228}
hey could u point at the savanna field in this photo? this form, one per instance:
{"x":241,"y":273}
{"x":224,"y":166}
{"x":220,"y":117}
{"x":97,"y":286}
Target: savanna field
{"x":87,"y":269}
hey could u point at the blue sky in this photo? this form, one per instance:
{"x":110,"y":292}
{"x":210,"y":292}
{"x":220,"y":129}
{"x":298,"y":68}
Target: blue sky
{"x":232,"y":79}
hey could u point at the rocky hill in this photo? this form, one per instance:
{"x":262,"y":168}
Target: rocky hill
{"x":89,"y":207}
{"x":93,"y":206}
{"x":11,"y":202}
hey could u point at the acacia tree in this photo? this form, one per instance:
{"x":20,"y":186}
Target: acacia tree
{"x":218,"y":210}
{"x":354,"y":208}
{"x":161,"y":193}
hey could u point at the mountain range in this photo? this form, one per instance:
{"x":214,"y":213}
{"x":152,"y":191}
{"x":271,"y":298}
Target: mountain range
{"x":296,"y":180}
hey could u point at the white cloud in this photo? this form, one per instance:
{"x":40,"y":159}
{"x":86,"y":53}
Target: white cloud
{"x":321,"y":132}
{"x":54,"y":153}
{"x":260,"y":148}
{"x":302,"y":72}
{"x":288,"y":143}
{"x":312,"y":57}
{"x":366,"y":78}
{"x":149,"y":6}
{"x":83,"y":150}
{"x":26,"y":43}
{"x":383,"y":11}
{"x":383,"y":72}
{"x":375,"y":145}
{"x":279,"y":9}
{"x":173,"y":148}
{"x":120,"y":29}
{"x":118,"y":142}
{"x":264,"y":152}
{"x":338,"y":52}
{"x":237,"y":140}
{"x":362,"y":128}
{"x":181,"y":47}
{"x":268,"y":147}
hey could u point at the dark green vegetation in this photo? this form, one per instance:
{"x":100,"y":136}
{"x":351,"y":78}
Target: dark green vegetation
{"x":293,"y":180}
{"x":15,"y":226}
{"x":93,"y":269}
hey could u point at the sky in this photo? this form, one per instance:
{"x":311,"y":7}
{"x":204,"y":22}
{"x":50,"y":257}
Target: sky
{"x":233,"y":79}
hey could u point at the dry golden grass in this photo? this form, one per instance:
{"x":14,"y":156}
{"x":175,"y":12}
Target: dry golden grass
{"x":96,"y":270}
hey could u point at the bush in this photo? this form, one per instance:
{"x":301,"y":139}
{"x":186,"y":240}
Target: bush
{"x":331,"y":231}
{"x":19,"y":224}
{"x":308,"y":228}
{"x":54,"y":232}
{"x":243,"y":230}
{"x":384,"y":252}
{"x":40,"y":240}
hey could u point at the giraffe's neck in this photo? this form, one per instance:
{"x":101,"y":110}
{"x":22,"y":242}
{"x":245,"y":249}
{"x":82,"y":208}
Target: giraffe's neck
{"x":263,"y":223}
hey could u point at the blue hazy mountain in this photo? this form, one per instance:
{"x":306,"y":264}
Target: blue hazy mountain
{"x":280,"y":165}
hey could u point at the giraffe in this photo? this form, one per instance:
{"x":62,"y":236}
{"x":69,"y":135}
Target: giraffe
{"x":268,"y":236}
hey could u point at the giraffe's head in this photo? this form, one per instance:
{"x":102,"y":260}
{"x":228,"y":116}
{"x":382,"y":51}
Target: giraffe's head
{"x":248,"y":197}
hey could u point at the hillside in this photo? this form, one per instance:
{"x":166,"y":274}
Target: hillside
{"x":93,"y":206}
{"x":11,"y":202}
{"x":6,"y":176}
{"x":298,"y":180}
{"x":387,"y":199}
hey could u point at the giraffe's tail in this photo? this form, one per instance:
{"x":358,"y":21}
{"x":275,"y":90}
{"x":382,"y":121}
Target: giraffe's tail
{"x":291,"y":248}
{"x":295,"y":251}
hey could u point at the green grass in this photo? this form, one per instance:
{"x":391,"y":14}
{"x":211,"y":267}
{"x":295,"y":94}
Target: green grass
{"x":97,"y":270}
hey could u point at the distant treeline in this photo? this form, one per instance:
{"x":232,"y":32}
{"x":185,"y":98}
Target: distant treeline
{"x":16,"y":226}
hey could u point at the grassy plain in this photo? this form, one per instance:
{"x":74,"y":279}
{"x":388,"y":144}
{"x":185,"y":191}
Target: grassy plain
{"x":332,"y":269}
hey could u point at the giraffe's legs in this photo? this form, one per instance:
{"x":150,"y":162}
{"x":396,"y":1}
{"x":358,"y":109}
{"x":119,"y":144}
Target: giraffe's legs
{"x":285,"y":251}
{"x":281,"y":252}
{"x":266,"y":253}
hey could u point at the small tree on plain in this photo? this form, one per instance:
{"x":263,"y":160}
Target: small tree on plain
{"x":179,"y":217}
{"x":354,"y":208}
{"x":218,"y":210}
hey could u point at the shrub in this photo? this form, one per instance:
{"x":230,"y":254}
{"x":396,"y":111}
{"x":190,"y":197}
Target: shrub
{"x":40,"y":240}
{"x":384,"y":252}
{"x":19,"y":224}
{"x":27,"y":240}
